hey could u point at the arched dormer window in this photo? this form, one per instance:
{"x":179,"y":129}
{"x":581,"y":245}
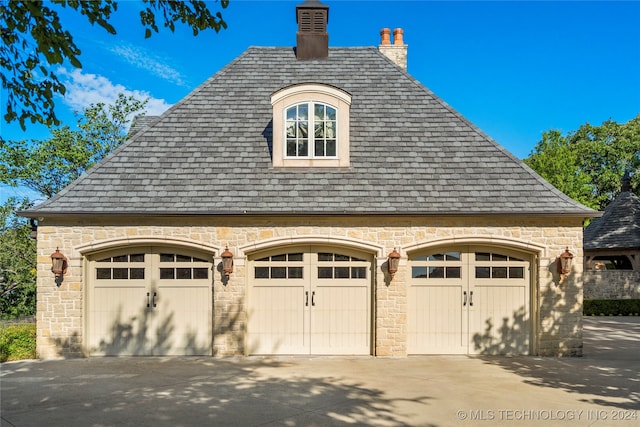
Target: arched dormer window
{"x":311,"y":126}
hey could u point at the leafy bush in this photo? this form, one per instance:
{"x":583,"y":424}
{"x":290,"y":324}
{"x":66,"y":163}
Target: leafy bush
{"x":18,"y":342}
{"x":612,"y":307}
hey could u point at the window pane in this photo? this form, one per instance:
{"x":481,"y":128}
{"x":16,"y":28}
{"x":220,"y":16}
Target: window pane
{"x":514,"y":259}
{"x":291,"y":113}
{"x":291,"y":147}
{"x":516,"y":272}
{"x":295,"y":272}
{"x":330,"y":130}
{"x":199,"y":260}
{"x":183,"y":258}
{"x":319,"y":130}
{"x":200,"y":273}
{"x":103,"y":273}
{"x":303,"y":112}
{"x":136,"y":273}
{"x":120,"y":273}
{"x":263,"y":259}
{"x":331,"y":148}
{"x":105,"y":260}
{"x":281,"y":257}
{"x":339,"y":257}
{"x":278,"y":272}
{"x":121,"y":258}
{"x":318,"y":111}
{"x":136,"y":258}
{"x":291,"y":129}
{"x":436,"y":257}
{"x":303,"y":129}
{"x":483,"y":256}
{"x":358,"y":272}
{"x":453,"y":256}
{"x":303,"y":148}
{"x":167,"y":274}
{"x":436,"y":272}
{"x":325,"y":257}
{"x":331,"y":113}
{"x":262,"y":272}
{"x":498,"y":257}
{"x":420,"y":258}
{"x":183,"y":273}
{"x":453,"y":272}
{"x":325,"y":272}
{"x":295,"y":257}
{"x":356,"y":259}
{"x":499,"y":272}
{"x":342,"y":272}
{"x":483,"y":272}
{"x":166,"y":258}
{"x":319,"y":148}
{"x":419,"y":272}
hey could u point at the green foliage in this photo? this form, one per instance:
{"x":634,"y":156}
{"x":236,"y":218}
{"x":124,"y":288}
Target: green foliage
{"x":18,"y":342}
{"x":613,"y":307}
{"x":49,"y":165}
{"x":34,"y":40}
{"x":588,"y":164}
{"x":17,"y":263}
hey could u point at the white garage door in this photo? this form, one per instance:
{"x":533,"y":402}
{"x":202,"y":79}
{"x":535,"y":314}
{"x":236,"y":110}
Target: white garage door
{"x":310,"y":300}
{"x":469,"y":299}
{"x":150,"y":301}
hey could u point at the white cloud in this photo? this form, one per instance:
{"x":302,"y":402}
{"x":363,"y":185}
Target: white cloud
{"x":84,"y":89}
{"x":142,"y":59}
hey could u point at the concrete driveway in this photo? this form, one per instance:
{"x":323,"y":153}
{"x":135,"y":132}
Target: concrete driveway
{"x":600,"y":389}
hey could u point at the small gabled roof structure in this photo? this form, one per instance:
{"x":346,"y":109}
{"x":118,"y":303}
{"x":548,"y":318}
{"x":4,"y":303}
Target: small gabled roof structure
{"x":410,"y":152}
{"x":619,"y":226}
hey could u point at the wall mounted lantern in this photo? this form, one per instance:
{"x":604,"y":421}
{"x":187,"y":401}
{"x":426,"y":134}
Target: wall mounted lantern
{"x":227,"y":261}
{"x":393,"y":260}
{"x":59,"y":265}
{"x":564,"y":262}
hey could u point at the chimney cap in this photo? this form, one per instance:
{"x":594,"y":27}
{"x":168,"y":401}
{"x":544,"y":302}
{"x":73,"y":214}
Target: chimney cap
{"x":312,"y":4}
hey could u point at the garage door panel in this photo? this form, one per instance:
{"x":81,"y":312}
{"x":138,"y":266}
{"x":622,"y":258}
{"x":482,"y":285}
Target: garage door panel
{"x":182,"y":321}
{"x":277,"y":324}
{"x":120,"y":321}
{"x":487,"y":313}
{"x":310,"y":300}
{"x":150,"y":301}
{"x":339,"y":319}
{"x":436,"y":320}
{"x":500,"y":320}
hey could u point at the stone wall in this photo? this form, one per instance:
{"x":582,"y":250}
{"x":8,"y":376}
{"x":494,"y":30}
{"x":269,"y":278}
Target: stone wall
{"x":611,"y":284}
{"x":556,"y":311}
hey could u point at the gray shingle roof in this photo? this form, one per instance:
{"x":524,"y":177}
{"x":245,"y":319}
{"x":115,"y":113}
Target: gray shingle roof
{"x":410,"y":152}
{"x":618,"y":228}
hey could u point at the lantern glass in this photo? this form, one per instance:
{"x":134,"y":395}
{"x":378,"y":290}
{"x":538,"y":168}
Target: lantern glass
{"x":393,"y":262}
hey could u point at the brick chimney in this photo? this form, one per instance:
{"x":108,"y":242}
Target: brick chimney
{"x":312,"y":37}
{"x":397,"y":52}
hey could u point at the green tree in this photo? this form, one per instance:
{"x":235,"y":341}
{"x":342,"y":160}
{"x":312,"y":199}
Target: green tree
{"x":17,"y":263}
{"x":49,"y":165}
{"x":34,"y":39}
{"x":589,"y":163}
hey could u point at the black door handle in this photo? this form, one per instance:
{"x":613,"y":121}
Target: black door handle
{"x":313,"y":298}
{"x":470,"y":298}
{"x":464,"y":301}
{"x":306,"y":298}
{"x":148,"y":305}
{"x":154,"y":299}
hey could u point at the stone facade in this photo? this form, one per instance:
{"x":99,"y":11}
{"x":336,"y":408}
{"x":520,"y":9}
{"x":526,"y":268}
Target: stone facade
{"x":611,"y":284}
{"x":556,"y":308}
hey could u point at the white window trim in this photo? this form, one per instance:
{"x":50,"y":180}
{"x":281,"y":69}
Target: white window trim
{"x":310,"y":93}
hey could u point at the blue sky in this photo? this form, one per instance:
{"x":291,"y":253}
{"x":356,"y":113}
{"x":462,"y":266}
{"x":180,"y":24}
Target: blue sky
{"x":514,"y":69}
